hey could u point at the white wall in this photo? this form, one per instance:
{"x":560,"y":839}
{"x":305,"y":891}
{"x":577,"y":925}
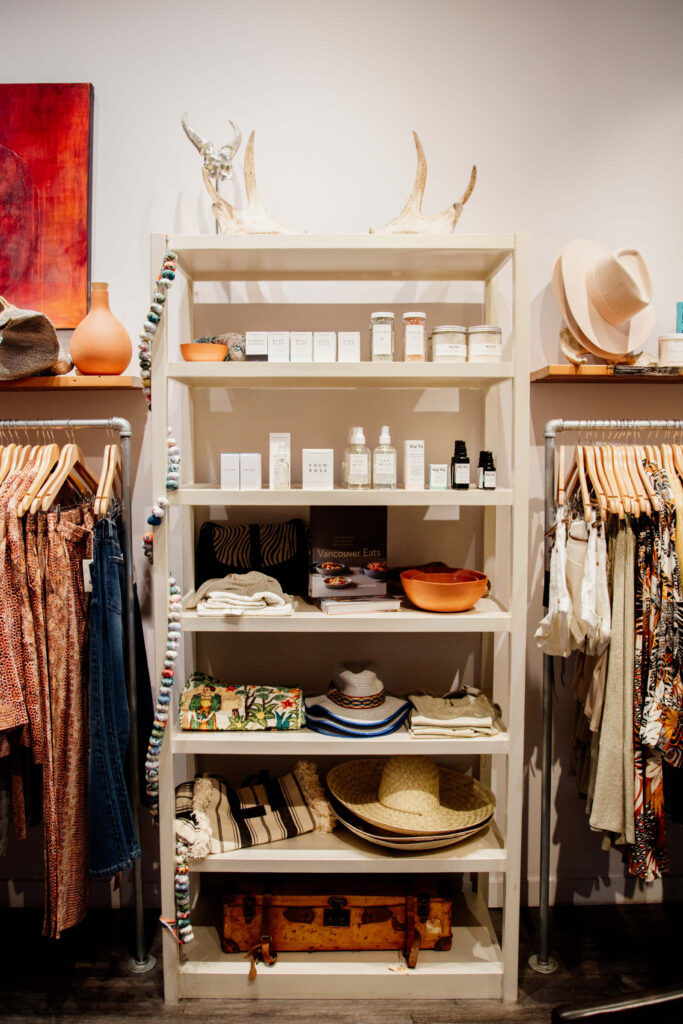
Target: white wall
{"x":570,"y":109}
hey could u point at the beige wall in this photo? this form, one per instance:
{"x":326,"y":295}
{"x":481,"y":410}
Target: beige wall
{"x":571,"y":111}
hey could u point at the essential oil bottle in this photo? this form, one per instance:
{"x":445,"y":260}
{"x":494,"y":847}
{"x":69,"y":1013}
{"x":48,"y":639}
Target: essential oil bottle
{"x":384,"y":463}
{"x":357,"y":461}
{"x":460,"y":468}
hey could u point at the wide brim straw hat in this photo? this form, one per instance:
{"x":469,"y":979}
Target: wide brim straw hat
{"x":398,"y":840}
{"x":410,"y":795}
{"x":605,"y":297}
{"x":356,"y":696}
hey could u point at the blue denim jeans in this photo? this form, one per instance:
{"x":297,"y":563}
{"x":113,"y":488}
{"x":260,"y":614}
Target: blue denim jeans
{"x":113,"y":842}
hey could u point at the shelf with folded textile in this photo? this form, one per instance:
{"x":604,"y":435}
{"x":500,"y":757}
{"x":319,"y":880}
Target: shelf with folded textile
{"x":488,"y":616}
{"x":478,"y":965}
{"x":341,"y":851}
{"x":307,"y":743}
{"x":474,"y":963}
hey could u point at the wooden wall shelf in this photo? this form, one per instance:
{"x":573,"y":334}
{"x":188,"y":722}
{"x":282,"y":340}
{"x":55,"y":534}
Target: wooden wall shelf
{"x":71,"y":382}
{"x":565,"y":374}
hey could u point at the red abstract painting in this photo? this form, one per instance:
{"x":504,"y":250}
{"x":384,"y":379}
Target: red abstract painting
{"x":45,"y":157}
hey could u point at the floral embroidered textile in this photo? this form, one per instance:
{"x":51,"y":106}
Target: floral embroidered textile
{"x":208,"y":705}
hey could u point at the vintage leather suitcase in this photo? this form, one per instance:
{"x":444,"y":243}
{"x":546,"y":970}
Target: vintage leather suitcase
{"x":266,"y":920}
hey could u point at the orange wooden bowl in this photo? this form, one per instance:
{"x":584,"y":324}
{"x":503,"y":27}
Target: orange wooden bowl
{"x":455,"y":590}
{"x":194,"y":352}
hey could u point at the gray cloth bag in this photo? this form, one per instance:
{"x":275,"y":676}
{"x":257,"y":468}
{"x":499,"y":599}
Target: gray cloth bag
{"x":28,"y":342}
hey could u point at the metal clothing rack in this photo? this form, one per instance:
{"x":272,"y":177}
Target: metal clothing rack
{"x":542,"y":961}
{"x":142,"y":961}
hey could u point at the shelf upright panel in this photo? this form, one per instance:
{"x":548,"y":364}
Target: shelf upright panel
{"x":518,"y":608}
{"x":160,"y":609}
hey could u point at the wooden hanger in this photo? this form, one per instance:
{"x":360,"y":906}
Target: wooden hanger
{"x":110,"y":479}
{"x":561,"y":492}
{"x":643,"y":500}
{"x":6,"y":460}
{"x":49,"y":458}
{"x":585,"y":493}
{"x":677,"y":451}
{"x":623,"y":480}
{"x":589,"y":459}
{"x":71,"y":465}
{"x":615,"y":503}
{"x":641,"y":457}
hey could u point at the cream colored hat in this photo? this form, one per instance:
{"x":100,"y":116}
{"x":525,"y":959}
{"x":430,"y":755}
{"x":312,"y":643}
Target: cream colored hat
{"x":410,"y":794}
{"x":608,"y":295}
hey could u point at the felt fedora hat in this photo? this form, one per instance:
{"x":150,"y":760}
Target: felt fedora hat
{"x":410,"y":794}
{"x":356,"y":697}
{"x":609,"y":296}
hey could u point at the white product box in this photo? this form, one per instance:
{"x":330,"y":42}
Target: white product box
{"x":438,"y":476}
{"x":414,"y":465}
{"x":301,"y":347}
{"x":256,"y":345}
{"x":324,"y":346}
{"x":275,"y":441}
{"x":317,"y":466}
{"x":278,"y":347}
{"x":250,"y":471}
{"x":348,"y":346}
{"x":230,"y":471}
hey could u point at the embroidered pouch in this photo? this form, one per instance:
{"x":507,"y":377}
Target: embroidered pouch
{"x":208,"y":705}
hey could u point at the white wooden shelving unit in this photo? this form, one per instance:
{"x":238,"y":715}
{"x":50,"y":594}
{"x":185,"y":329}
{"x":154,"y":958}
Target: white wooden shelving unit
{"x":478,"y":966}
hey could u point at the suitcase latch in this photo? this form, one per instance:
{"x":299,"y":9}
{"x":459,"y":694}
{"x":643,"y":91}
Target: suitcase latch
{"x":337,"y":914}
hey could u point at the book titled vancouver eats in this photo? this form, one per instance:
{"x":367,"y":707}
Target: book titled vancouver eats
{"x":348,"y":563}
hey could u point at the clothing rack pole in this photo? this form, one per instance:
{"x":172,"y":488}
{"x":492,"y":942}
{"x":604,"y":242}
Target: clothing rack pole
{"x":142,"y":961}
{"x":541,"y":961}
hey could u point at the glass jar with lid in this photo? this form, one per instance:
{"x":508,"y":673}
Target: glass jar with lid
{"x":449,"y":344}
{"x":414,"y":337}
{"x":484,"y":344}
{"x":382,"y":337}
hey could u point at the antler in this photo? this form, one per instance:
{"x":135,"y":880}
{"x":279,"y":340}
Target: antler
{"x":411,"y":220}
{"x":218,"y":162}
{"x":255,"y":220}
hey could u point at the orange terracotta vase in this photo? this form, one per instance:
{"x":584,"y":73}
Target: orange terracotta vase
{"x":100,"y":344}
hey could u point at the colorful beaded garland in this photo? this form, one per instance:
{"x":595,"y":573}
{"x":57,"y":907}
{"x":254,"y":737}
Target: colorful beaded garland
{"x":163,"y":282}
{"x":183,"y":927}
{"x":172,"y":482}
{"x":164,"y":698}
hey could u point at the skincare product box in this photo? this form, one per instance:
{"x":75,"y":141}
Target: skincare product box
{"x":317,"y":469}
{"x":414,"y":466}
{"x":324,"y":347}
{"x":275,"y":441}
{"x":230,"y":471}
{"x":278,"y":347}
{"x":348,"y":346}
{"x":250,"y":471}
{"x":679,"y":317}
{"x":348,"y":552}
{"x":256,"y":346}
{"x":301,"y":347}
{"x":438,"y":476}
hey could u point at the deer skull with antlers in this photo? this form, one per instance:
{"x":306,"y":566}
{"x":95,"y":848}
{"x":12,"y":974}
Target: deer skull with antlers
{"x":255,"y":220}
{"x":411,"y":220}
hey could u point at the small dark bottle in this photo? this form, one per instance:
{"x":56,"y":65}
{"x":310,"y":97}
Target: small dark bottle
{"x":460,"y":468}
{"x":489,"y":473}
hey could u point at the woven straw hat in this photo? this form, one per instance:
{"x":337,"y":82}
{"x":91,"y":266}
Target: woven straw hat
{"x":605,"y":297}
{"x":357,"y":697}
{"x":398,"y":840}
{"x":411,"y":795}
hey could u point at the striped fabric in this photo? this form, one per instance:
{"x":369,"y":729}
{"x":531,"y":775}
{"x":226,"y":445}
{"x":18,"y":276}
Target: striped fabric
{"x":232,"y":545}
{"x":268,"y":810}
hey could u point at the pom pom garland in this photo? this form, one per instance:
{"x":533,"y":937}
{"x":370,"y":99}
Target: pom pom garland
{"x":164,"y":280}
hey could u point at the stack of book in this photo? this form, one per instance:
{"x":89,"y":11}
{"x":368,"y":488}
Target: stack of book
{"x":348,"y":566}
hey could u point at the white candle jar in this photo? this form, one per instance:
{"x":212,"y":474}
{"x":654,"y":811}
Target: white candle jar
{"x":671,"y":349}
{"x":484,"y":344}
{"x":449,"y":344}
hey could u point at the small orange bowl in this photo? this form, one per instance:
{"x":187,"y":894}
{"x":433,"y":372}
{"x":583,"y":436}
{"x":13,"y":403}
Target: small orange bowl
{"x":455,"y":590}
{"x":194,"y":352}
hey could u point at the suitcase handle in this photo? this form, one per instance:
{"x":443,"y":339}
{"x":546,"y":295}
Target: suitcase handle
{"x":413,"y":937}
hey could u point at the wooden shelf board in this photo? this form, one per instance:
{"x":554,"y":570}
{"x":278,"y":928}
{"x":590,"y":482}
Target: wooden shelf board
{"x":604,"y":374}
{"x":307,"y":743}
{"x":486,"y":617}
{"x":342,"y":257}
{"x":339,"y":375}
{"x":471,"y":969}
{"x":206,"y":494}
{"x":72,"y":382}
{"x":342,"y":851}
